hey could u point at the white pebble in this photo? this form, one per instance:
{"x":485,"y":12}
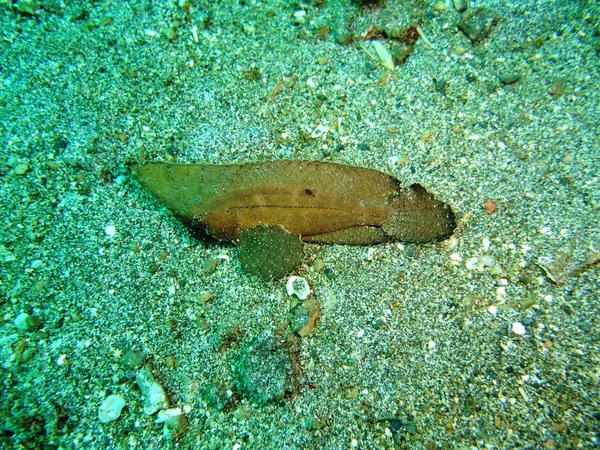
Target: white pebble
{"x":487,"y":260}
{"x":455,"y":258}
{"x":298,"y":286}
{"x":26,"y":322}
{"x":311,"y":83}
{"x":493,"y":309}
{"x":485,"y":244}
{"x":154,"y":395}
{"x":471,"y":263}
{"x":519,"y":329}
{"x":167,"y":414}
{"x":37,"y":264}
{"x":111,"y":408}
{"x":300,"y":16}
{"x":110,"y":230}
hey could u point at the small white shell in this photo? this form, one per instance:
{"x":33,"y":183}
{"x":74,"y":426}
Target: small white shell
{"x":298,"y":286}
{"x":384,"y":56}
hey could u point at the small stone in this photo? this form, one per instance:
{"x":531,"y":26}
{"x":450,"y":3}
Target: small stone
{"x":174,"y":421}
{"x":304,"y":317}
{"x":167,"y":414}
{"x":37,"y":264}
{"x":460,"y":5}
{"x":210,"y":266}
{"x":489,"y":206}
{"x":518,"y":329}
{"x":509,"y":77}
{"x":298,"y":286}
{"x":322,"y":60}
{"x":27,"y":7}
{"x":132,"y":359}
{"x":153,"y":393}
{"x":111,"y":408}
{"x":477,"y":24}
{"x":121,"y":180}
{"x":558,"y":88}
{"x":110,"y":230}
{"x":26,"y":322}
{"x":21,"y":169}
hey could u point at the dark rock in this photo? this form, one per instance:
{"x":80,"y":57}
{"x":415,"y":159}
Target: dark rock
{"x":477,"y":24}
{"x":509,"y":77}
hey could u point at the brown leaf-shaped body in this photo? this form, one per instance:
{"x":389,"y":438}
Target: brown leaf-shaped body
{"x":323,"y":202}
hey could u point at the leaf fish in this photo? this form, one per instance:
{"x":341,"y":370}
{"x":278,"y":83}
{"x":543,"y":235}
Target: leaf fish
{"x":322,"y":202}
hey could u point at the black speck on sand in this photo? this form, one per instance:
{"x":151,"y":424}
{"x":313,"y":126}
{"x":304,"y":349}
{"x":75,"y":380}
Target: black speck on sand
{"x":414,"y":347}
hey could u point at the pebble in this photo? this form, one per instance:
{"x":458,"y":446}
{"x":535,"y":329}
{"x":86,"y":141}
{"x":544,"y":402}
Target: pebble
{"x":304,"y":317}
{"x":37,"y":264}
{"x":477,"y":24}
{"x":110,"y":230}
{"x":489,"y":206}
{"x":460,"y":5}
{"x":558,"y":88}
{"x":167,"y":414}
{"x":132,"y":359}
{"x":298,"y":286}
{"x":21,"y":169}
{"x":440,"y":6}
{"x":26,"y":322}
{"x":518,"y":329}
{"x":175,"y":423}
{"x":111,"y":408}
{"x":153,"y":393}
{"x":121,"y":180}
{"x":509,"y":77}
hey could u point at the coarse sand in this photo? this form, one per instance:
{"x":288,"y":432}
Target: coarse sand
{"x":487,"y":340}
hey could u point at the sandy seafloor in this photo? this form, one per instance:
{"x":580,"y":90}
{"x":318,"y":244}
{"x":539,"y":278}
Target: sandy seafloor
{"x":415,"y":345}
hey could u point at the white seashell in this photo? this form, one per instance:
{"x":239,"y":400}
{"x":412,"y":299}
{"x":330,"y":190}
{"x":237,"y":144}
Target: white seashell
{"x":384,"y":56}
{"x":298,"y":286}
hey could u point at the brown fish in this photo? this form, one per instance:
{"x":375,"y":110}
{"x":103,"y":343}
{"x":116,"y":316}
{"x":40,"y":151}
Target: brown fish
{"x":323,"y":202}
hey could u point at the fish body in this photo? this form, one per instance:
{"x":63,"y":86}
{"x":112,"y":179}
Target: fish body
{"x":323,"y":202}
